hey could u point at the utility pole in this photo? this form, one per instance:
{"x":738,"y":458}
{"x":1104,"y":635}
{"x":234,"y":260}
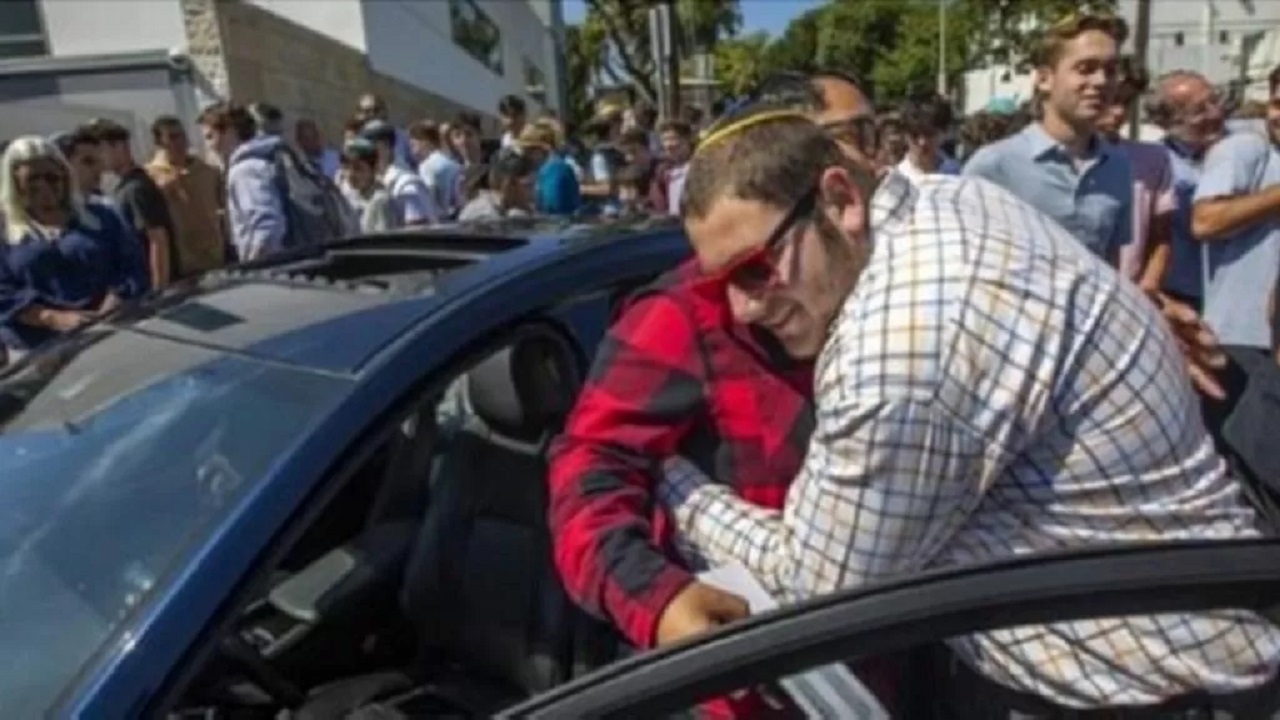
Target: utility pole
{"x":942,"y":48}
{"x":673,"y":58}
{"x":1141,"y":39}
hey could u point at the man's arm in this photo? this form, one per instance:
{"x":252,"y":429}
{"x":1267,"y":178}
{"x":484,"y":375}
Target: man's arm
{"x":1164,"y":203}
{"x":1226,"y":198}
{"x":884,"y":487}
{"x":415,"y":198}
{"x":148,"y":206}
{"x":646,"y":386}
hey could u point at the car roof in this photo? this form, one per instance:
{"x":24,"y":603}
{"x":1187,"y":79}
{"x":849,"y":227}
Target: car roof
{"x":333,"y":309}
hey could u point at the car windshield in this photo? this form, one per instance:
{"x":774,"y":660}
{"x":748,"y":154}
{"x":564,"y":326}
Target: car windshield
{"x":119,"y":456}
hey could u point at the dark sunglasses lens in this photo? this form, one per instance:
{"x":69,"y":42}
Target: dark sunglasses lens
{"x":752,"y":274}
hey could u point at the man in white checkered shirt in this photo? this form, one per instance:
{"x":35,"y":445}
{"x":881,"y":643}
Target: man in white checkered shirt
{"x":986,"y":388}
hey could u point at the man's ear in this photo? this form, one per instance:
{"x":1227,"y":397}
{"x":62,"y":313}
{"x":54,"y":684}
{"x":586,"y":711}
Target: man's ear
{"x":841,"y":192}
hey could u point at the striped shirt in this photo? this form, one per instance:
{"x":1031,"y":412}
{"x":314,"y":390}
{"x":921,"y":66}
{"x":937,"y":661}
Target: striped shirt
{"x":991,"y":389}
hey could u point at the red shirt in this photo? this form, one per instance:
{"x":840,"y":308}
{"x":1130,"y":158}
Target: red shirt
{"x":672,"y":377}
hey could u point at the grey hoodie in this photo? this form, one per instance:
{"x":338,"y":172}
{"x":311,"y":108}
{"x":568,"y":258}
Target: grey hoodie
{"x":255,"y":210}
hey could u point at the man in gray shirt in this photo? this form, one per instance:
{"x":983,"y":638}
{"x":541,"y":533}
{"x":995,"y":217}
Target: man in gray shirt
{"x":1236,"y":218}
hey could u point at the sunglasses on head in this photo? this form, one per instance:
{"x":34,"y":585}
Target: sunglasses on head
{"x":758,"y":269}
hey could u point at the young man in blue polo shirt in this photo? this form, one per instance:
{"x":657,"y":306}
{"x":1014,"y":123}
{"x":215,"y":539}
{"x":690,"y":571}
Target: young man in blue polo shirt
{"x":1060,"y":164}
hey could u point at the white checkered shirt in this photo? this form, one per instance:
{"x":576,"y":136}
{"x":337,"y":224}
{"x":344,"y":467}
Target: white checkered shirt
{"x":991,"y":389}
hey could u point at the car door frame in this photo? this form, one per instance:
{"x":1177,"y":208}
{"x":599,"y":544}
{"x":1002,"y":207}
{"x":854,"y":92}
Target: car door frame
{"x":926,"y":608}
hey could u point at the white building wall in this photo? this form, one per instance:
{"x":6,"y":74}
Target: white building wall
{"x":412,"y":41}
{"x":341,"y":20}
{"x":101,"y":27}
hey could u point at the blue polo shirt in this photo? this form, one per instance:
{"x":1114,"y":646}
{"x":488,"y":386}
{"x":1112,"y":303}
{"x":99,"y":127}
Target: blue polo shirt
{"x":1092,"y":200}
{"x":1185,"y":274}
{"x":1240,"y":269}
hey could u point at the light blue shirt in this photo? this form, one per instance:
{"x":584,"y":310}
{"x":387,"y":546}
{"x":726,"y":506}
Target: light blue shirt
{"x":1094,"y":202}
{"x":443,"y":177}
{"x":1240,"y":269}
{"x":1185,"y":274}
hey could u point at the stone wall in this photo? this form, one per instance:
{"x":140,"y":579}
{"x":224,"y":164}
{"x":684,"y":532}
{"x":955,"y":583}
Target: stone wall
{"x":304,"y":73}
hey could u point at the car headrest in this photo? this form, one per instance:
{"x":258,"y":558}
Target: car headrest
{"x":525,"y":390}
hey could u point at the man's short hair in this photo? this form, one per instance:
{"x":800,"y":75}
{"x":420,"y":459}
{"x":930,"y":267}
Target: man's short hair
{"x":224,"y":116}
{"x":925,"y":115}
{"x":1047,"y":51}
{"x":645,"y":113}
{"x":511,"y":105}
{"x":379,"y":132}
{"x":1133,"y":80}
{"x":468,"y":120}
{"x":163,"y":124}
{"x":425,"y":131}
{"x":767,"y":154}
{"x":109,"y":131}
{"x":83,"y":136}
{"x":679,"y":127}
{"x":1273,"y":80}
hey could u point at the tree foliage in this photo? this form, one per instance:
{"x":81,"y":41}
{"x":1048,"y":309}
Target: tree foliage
{"x":740,"y":62}
{"x":893,"y":44}
{"x":614,"y":39}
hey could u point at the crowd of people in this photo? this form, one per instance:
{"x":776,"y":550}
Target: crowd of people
{"x":88,"y":226}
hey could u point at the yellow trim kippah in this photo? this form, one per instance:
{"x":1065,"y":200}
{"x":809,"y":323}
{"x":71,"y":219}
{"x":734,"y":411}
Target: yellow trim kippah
{"x":734,"y":128}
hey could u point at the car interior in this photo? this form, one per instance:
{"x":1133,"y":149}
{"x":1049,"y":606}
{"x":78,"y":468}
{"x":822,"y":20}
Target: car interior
{"x":424,"y":585}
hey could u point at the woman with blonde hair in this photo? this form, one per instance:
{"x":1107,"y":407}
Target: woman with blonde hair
{"x":64,"y":262}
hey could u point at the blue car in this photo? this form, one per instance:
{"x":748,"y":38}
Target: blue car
{"x":314,"y":488}
{"x":299,"y":471}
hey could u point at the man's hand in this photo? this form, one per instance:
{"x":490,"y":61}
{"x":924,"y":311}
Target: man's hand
{"x":697,"y":609}
{"x":109,"y":304}
{"x":65,"y":320}
{"x":1198,"y":344}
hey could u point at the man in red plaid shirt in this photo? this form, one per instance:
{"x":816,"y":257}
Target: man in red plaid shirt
{"x":675,"y":377}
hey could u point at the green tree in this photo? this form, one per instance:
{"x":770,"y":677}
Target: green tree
{"x":1003,"y":31}
{"x":742,"y":62}
{"x":582,"y":57}
{"x":627,"y":55}
{"x":797,"y":48}
{"x":910,"y":65}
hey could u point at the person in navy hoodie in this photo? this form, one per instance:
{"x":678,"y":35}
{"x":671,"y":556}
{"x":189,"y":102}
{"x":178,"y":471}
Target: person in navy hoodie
{"x":65,"y":262}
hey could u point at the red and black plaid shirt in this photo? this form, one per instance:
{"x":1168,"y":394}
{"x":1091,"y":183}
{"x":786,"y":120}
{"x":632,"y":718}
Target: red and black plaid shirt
{"x":671,"y":377}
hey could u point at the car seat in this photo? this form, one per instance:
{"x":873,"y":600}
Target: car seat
{"x":493,"y":622}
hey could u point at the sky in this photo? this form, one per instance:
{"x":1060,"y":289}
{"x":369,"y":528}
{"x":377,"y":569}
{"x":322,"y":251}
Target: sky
{"x":771,"y":16}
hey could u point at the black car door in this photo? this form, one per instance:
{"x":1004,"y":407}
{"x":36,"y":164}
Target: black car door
{"x":917,"y":611}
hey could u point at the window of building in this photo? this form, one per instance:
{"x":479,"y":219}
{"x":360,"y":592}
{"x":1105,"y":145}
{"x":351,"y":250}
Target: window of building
{"x":1224,"y":37}
{"x":475,"y":32}
{"x":1179,"y":39}
{"x":535,"y":83}
{"x":21,"y":30}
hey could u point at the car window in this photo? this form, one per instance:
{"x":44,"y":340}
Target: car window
{"x":109,"y":482}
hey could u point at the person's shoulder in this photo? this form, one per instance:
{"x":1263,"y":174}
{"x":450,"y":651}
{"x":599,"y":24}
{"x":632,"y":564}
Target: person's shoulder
{"x":1239,"y":144}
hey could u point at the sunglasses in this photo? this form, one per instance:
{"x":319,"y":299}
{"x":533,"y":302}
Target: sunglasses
{"x":758,"y":269}
{"x":859,"y":131}
{"x":48,"y":177}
